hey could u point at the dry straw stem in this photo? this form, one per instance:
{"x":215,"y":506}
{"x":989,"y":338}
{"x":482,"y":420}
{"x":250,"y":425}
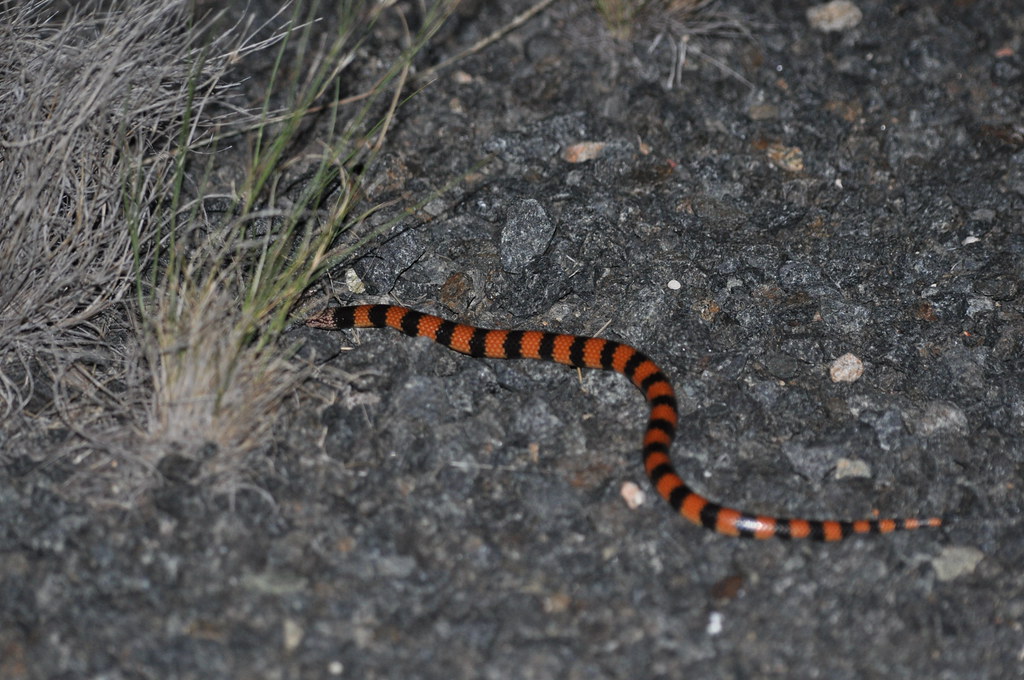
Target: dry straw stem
{"x":85,"y":102}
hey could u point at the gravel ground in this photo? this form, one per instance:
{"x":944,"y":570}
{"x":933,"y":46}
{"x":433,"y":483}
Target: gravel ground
{"x":793,"y":197}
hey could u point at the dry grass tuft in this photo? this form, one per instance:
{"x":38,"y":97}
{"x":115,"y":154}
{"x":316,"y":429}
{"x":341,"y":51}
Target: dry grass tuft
{"x":150,"y":288}
{"x":83,"y":103}
{"x":216,"y":305}
{"x":679,"y":24}
{"x":624,"y":17}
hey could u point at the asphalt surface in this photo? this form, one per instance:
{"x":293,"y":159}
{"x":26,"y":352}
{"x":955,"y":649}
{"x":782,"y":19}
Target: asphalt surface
{"x":794,"y":196}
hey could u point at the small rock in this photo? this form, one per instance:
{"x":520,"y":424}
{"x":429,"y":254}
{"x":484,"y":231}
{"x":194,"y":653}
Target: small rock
{"x":788,"y":158}
{"x":847,"y":368}
{"x":353,"y":283}
{"x":632,"y":494}
{"x":838,"y":15}
{"x":292,"y":635}
{"x":526,"y":235}
{"x":955,"y":560}
{"x":435,"y":208}
{"x":584,"y":151}
{"x":851,"y":468}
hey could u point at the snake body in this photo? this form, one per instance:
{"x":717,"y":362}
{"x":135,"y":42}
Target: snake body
{"x":587,"y":352}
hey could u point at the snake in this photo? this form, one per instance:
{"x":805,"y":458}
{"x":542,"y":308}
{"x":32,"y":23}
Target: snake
{"x":589,"y":352}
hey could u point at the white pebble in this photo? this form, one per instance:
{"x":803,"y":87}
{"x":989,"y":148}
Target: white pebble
{"x":674,"y":285}
{"x":846,"y":368}
{"x":632,"y":494}
{"x":714,"y":623}
{"x":838,"y":15}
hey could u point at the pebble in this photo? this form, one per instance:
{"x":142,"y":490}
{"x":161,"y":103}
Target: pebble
{"x":292,"y":635}
{"x":353,"y":283}
{"x":584,"y":151}
{"x":852,"y":468}
{"x":956,"y":560}
{"x":838,"y":15}
{"x":847,"y":368}
{"x":788,"y":158}
{"x":632,"y":494}
{"x":715,"y":623}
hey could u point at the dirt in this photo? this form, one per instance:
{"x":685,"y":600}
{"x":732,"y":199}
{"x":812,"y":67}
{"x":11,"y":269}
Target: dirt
{"x":786,"y":197}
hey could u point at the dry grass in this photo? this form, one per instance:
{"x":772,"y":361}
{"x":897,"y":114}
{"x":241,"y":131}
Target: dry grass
{"x":113,"y":123}
{"x":82,"y":103}
{"x":625,"y":17}
{"x":219,"y":304}
{"x":679,"y":24}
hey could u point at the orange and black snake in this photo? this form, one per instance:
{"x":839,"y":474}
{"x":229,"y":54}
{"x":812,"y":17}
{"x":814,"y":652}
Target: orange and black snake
{"x":587,"y":352}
